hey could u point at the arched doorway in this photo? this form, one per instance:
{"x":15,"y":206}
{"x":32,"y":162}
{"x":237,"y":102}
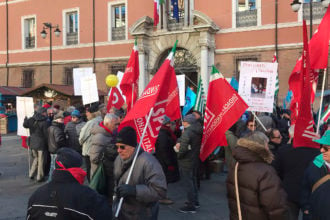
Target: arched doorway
{"x":184,"y":63}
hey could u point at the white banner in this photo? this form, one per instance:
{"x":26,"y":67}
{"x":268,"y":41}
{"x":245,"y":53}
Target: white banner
{"x":257,"y":85}
{"x":182,"y":88}
{"x":89,"y":89}
{"x":120,"y":76}
{"x":25,"y":108}
{"x":78,"y":73}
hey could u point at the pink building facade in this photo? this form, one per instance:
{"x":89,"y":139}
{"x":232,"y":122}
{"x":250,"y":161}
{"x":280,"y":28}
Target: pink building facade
{"x":100,"y":34}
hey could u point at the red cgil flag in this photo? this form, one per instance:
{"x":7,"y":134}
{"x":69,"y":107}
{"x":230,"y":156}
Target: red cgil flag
{"x":129,"y":83}
{"x":161,"y":94}
{"x":115,"y":99}
{"x":224,"y":107}
{"x":304,"y":131}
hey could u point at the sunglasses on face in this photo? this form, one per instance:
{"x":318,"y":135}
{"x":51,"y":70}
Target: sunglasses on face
{"x":122,"y":147}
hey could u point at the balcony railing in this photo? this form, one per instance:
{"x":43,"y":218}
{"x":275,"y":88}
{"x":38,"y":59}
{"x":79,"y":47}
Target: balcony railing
{"x":29,"y":42}
{"x":318,"y":11}
{"x":72,"y":38}
{"x":173,"y":25}
{"x":118,"y":33}
{"x":246,"y":18}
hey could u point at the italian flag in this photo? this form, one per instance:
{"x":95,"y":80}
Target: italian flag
{"x":224,"y":107}
{"x":157,"y":4}
{"x":325,"y":115}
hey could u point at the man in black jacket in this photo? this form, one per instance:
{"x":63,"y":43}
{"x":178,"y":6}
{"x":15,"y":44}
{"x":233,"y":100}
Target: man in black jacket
{"x":56,"y":139}
{"x":37,"y":125}
{"x":188,"y":150}
{"x":64,"y":197}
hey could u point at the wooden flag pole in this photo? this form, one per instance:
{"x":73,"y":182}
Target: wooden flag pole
{"x":134,"y":161}
{"x":320,"y":109}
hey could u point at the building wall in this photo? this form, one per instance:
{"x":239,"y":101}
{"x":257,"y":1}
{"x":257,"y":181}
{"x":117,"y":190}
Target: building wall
{"x":230,"y":43}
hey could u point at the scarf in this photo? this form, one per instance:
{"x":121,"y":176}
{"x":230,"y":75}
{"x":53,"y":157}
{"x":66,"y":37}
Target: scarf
{"x":78,"y":173}
{"x":105,"y":128}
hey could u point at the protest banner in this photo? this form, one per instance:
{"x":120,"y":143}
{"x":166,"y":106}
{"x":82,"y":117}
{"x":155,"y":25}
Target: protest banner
{"x":79,"y":73}
{"x":181,"y":84}
{"x":257,"y":85}
{"x":24,"y":106}
{"x":89,"y":89}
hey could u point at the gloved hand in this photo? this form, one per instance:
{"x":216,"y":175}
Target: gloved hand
{"x":126,"y":190}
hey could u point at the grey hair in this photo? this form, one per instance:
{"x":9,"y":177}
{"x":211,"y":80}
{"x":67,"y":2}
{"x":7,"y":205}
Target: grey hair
{"x":257,"y":136}
{"x":70,"y":109}
{"x":109,"y":117}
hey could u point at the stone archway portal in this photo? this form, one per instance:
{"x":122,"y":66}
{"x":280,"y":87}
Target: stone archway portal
{"x":184,"y":63}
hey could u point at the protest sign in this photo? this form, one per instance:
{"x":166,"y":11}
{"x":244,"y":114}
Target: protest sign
{"x":257,"y":85}
{"x":89,"y":89}
{"x":79,"y":73}
{"x":181,"y":84}
{"x":24,"y":106}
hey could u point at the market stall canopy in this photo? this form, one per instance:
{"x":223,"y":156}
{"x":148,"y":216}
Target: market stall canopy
{"x":12,"y":91}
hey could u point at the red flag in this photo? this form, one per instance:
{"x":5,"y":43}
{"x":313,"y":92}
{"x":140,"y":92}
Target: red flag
{"x":24,"y":142}
{"x":304,"y":131}
{"x":156,"y":12}
{"x":129,"y":83}
{"x":115,"y":99}
{"x":223,"y":108}
{"x":161,"y":94}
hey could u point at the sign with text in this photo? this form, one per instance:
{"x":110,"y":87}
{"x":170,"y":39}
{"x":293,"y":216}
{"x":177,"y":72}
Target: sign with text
{"x":257,"y":85}
{"x":25,"y":108}
{"x":181,"y":84}
{"x":79,"y":73}
{"x":89,"y":89}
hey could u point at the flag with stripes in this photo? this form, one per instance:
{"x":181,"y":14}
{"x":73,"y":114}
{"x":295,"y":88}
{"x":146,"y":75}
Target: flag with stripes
{"x":325,"y":115}
{"x":201,"y":98}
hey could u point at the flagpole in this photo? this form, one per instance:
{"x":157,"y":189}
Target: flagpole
{"x":255,"y":117}
{"x":134,"y":160}
{"x":132,"y":95}
{"x":322,"y":93}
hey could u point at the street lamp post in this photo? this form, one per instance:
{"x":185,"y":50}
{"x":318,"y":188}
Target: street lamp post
{"x":48,"y":25}
{"x":295,"y":5}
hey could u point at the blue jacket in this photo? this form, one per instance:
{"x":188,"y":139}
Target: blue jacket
{"x":317,"y":203}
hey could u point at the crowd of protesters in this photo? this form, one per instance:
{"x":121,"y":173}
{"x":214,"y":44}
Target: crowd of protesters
{"x":267,"y":177}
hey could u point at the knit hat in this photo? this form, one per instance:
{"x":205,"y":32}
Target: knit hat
{"x":127,"y":135}
{"x":325,"y":139}
{"x":75,"y":113}
{"x":166,"y":120}
{"x":191,"y":119}
{"x":41,"y":110}
{"x":59,"y":115}
{"x":68,"y":157}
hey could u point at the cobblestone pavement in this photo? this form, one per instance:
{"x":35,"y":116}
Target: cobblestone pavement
{"x":16,"y":188}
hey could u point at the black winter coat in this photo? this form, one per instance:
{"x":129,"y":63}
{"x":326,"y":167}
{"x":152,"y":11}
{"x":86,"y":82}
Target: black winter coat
{"x":72,"y":131}
{"x":56,"y":137}
{"x":38,"y":131}
{"x":190,"y":144}
{"x":290,"y":164}
{"x":317,"y":202}
{"x":77,"y":201}
{"x":166,"y":155}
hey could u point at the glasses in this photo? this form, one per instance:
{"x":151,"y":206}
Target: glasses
{"x":325,"y":148}
{"x":122,"y":147}
{"x":117,"y":124}
{"x":278,"y":137}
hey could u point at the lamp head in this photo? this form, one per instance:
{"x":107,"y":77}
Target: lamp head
{"x":295,"y":5}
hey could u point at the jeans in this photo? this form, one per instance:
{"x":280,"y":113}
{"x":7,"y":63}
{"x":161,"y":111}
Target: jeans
{"x":52,"y":166}
{"x":189,"y":180}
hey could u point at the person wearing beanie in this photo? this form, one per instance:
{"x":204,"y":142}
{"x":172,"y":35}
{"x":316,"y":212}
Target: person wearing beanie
{"x":38,"y":127}
{"x":254,"y":181}
{"x":56,"y":139}
{"x":65,"y":196}
{"x":188,"y":148}
{"x":72,"y":131}
{"x":147,"y":183}
{"x":166,"y":155}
